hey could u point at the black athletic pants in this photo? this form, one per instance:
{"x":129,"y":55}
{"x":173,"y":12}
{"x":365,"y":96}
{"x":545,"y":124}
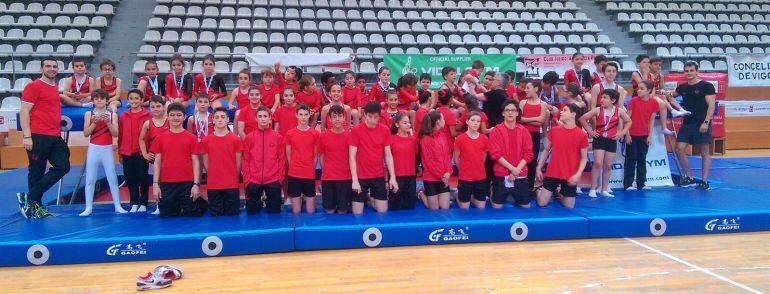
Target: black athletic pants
{"x":46,"y":149}
{"x":636,"y":161}
{"x":137,"y":178}
{"x":272,"y":201}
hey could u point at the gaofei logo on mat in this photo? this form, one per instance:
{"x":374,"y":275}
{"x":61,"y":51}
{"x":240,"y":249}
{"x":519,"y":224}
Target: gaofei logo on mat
{"x":451,"y":234}
{"x":723,"y":224}
{"x":127,"y":249}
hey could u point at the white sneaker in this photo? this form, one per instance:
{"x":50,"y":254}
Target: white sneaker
{"x":592,"y":193}
{"x":680,"y":113}
{"x":607,"y":194}
{"x":142,"y":208}
{"x":609,"y":191}
{"x":86,"y":212}
{"x":119,"y":209}
{"x":632,"y":188}
{"x":579,"y":191}
{"x":134,"y":208}
{"x":646,"y":188}
{"x":156,"y":212}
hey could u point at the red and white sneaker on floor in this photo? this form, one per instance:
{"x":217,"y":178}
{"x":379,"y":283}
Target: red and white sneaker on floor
{"x":151,"y":282}
{"x":168,"y":272}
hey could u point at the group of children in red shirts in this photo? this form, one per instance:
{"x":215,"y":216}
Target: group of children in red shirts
{"x":371,"y":145}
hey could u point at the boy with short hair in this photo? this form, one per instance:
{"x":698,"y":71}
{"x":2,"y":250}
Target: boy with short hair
{"x":265,"y":165}
{"x":369,"y":146}
{"x":333,"y":153}
{"x":222,"y":151}
{"x":77,"y":90}
{"x":176,"y":171}
{"x":300,"y":153}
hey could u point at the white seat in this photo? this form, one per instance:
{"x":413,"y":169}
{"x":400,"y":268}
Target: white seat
{"x":629,"y":66}
{"x":5,"y":85}
{"x":11,"y":102}
{"x":20,"y":83}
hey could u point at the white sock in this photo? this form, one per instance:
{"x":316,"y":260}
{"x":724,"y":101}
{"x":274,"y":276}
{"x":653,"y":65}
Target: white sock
{"x":134,"y":208}
{"x":86,"y":212}
{"x":607,"y":194}
{"x":119,"y":209}
{"x":592,"y":193}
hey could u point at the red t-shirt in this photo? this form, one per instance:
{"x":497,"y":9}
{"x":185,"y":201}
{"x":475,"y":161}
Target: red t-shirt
{"x":286,"y":117}
{"x":302,"y":157}
{"x":223,"y":165}
{"x":45,"y":116}
{"x":377,"y":92}
{"x":565,"y":151}
{"x":640,"y":115}
{"x":334,"y":148}
{"x":450,"y":121}
{"x":513,"y":145}
{"x":511,"y":90}
{"x":311,"y":100}
{"x":352,"y":97}
{"x":176,"y":150}
{"x":406,"y":99}
{"x":268,"y":96}
{"x":404,"y":151}
{"x":371,"y":143}
{"x":472,"y":154}
{"x":248,"y":116}
{"x":418,"y":116}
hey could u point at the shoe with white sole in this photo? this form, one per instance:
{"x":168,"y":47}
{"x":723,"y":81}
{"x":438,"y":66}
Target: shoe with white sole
{"x":646,"y":188}
{"x":631,"y":188}
{"x":151,"y":282}
{"x":592,"y":193}
{"x":607,"y":194}
{"x":134,"y":208}
{"x":168,"y":272}
{"x":24,"y":207}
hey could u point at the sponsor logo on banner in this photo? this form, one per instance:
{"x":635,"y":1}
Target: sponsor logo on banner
{"x":449,"y":235}
{"x":658,"y":169}
{"x":747,"y":108}
{"x":432,"y":64}
{"x":127,"y":249}
{"x":724,"y":224}
{"x":749,"y":70}
{"x":535,"y":66}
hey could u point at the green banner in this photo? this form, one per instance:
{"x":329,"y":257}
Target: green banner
{"x":417,"y":64}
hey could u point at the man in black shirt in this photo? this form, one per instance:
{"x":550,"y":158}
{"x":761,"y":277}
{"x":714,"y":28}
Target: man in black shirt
{"x":493,"y":99}
{"x":699,"y":98}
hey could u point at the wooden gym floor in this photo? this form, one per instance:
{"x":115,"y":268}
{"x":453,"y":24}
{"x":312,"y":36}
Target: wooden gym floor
{"x":725,"y":263}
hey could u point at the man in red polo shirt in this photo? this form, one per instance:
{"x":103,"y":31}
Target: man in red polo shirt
{"x":40,"y":119}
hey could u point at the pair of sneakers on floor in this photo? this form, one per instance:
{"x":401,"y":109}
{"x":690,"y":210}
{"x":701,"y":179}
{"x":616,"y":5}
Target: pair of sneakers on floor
{"x":143,"y":208}
{"x":159,"y":278}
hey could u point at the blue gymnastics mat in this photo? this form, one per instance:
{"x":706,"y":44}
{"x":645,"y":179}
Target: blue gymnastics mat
{"x":737,"y":202}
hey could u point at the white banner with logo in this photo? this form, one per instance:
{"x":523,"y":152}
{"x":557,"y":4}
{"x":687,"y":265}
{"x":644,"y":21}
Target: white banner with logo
{"x":658,"y":165}
{"x":337,"y":60}
{"x":535,"y":66}
{"x":746,"y":108}
{"x":749,"y":70}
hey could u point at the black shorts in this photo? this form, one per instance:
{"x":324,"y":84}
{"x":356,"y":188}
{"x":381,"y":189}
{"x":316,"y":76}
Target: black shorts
{"x":406,"y":195}
{"x":434,"y":188}
{"x":479,"y":189}
{"x":606,"y":144}
{"x":375,"y":187}
{"x":224,"y":201}
{"x":296,"y":187}
{"x":567,"y":190}
{"x":690,"y":134}
{"x":519,"y":191}
{"x":337,"y":194}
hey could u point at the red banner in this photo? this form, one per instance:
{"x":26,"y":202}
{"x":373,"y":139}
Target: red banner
{"x":720,"y":84}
